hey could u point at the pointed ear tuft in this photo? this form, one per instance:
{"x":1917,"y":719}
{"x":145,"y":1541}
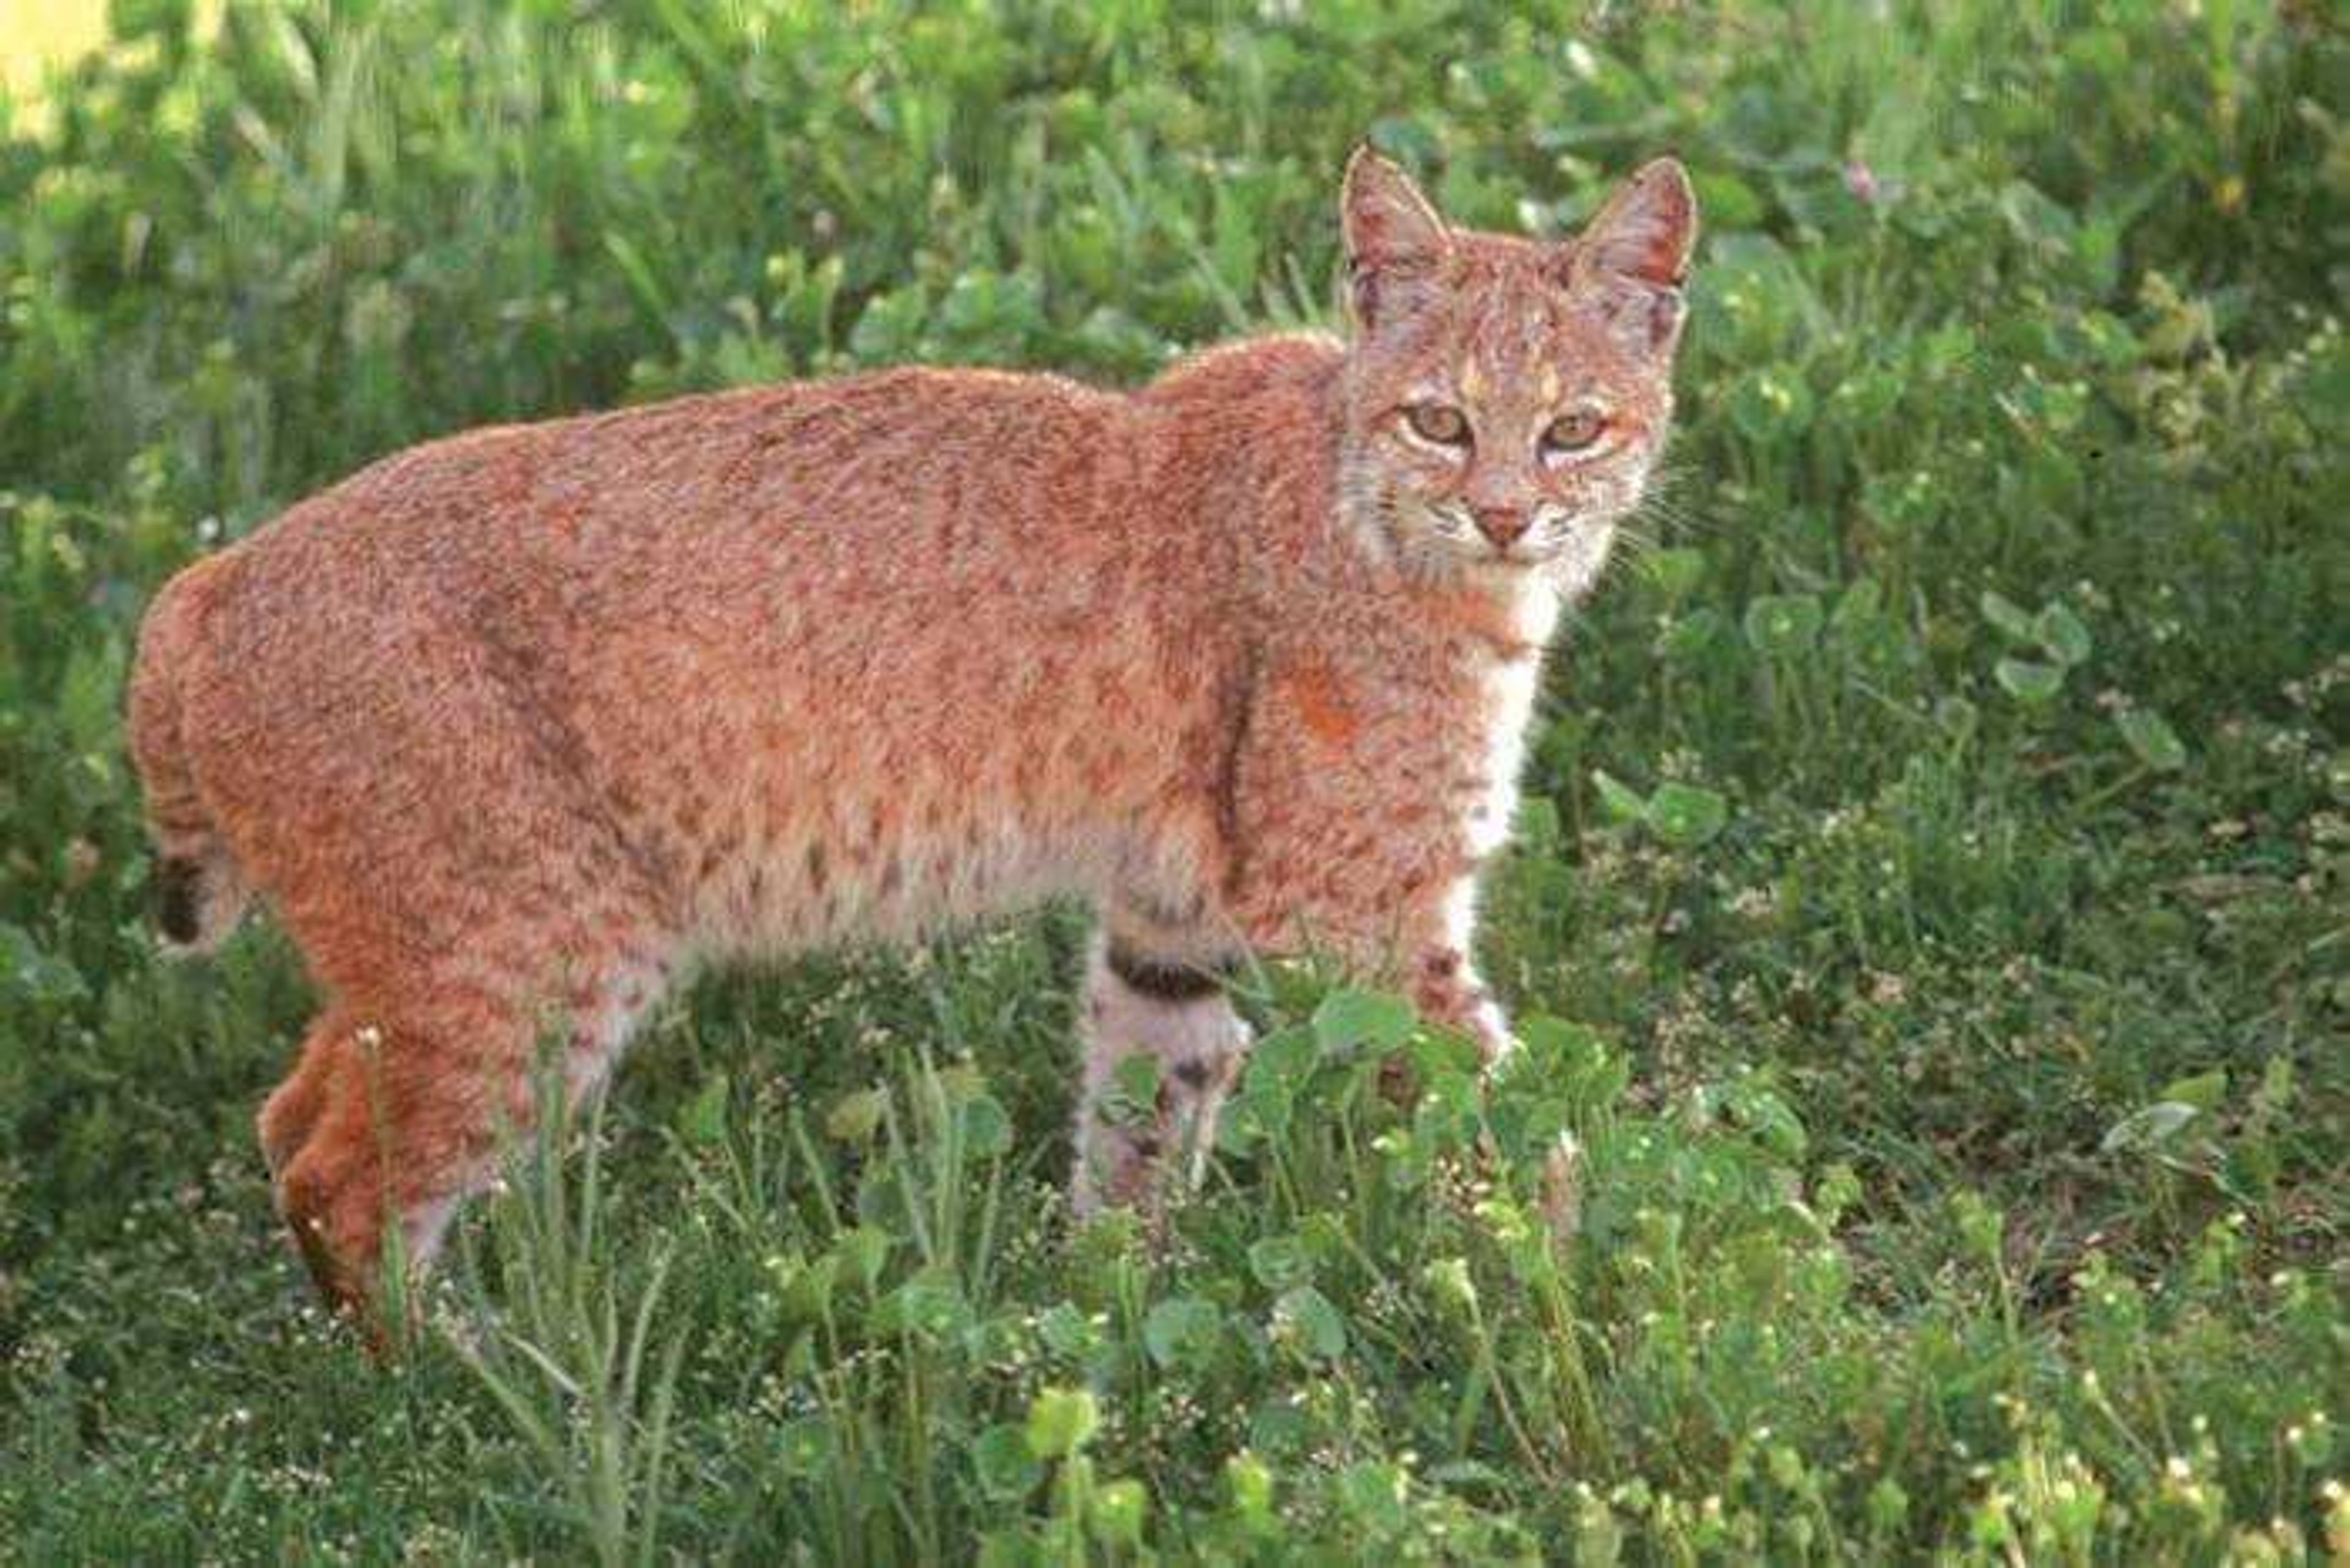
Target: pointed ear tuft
{"x":1390,"y":229}
{"x":1634,"y":256}
{"x":1645,"y":232}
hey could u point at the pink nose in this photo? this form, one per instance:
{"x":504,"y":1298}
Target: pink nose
{"x":1504,"y":526}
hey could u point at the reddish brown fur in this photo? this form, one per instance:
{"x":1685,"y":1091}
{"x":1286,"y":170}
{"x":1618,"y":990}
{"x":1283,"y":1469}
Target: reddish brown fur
{"x":511,"y":728}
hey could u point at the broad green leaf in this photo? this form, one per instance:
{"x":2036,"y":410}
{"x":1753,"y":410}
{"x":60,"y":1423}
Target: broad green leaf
{"x":1675,"y":572}
{"x":1120,"y":1508}
{"x":1006,"y":1468}
{"x":854,"y":1117}
{"x":1280,"y":1263}
{"x":804,"y":1288}
{"x":2151,"y":736}
{"x":805,"y":1446}
{"x":987,"y":1127}
{"x":1688,"y":638}
{"x":1784,"y":626}
{"x":1284,"y":1058}
{"x":891,"y":328}
{"x":1770,"y":405}
{"x":1061,"y":1421}
{"x":1249,"y":1481}
{"x":35,"y":975}
{"x":1068,"y":1331}
{"x":1304,"y":1318}
{"x":1183,"y":1331}
{"x":2203,"y":1091}
{"x":2061,"y":634}
{"x":867,"y":1249}
{"x":702,"y":1122}
{"x":1260,"y":1112}
{"x":1133,"y":1096}
{"x":927,"y":1310}
{"x":2012,"y":618}
{"x":1619,"y":800}
{"x":1374,"y":1496}
{"x":2148,"y":1127}
{"x":2029,"y":682}
{"x":1763,"y":1113}
{"x":1685,"y":816}
{"x":1347,"y":1019}
{"x":1901,"y":502}
{"x":1856,"y":613}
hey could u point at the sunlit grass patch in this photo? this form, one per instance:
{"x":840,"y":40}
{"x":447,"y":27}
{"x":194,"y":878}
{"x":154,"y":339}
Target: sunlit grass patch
{"x":35,"y":35}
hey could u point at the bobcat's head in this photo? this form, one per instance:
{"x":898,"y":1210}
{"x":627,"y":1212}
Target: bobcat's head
{"x":1506,"y":398}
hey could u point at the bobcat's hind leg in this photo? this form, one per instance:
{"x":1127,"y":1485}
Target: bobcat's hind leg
{"x":392,"y":1120}
{"x":293,"y":1107}
{"x":1173,"y":1011}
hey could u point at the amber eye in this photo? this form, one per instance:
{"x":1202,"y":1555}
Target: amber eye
{"x":1574,"y":430}
{"x":1440,"y":422}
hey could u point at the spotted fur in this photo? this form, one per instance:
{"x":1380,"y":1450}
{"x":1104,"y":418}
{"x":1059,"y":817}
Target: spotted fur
{"x":516,"y":729}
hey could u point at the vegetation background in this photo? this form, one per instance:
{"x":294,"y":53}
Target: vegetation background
{"x":1928,"y":916}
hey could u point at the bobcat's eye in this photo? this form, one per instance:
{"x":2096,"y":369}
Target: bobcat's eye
{"x":1574,"y":430}
{"x":1440,"y":422}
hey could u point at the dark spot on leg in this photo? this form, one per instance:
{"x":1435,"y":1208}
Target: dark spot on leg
{"x":179,"y":888}
{"x":1147,"y":1146}
{"x":1194,"y":1073}
{"x":816,"y":866}
{"x":1165,"y":982}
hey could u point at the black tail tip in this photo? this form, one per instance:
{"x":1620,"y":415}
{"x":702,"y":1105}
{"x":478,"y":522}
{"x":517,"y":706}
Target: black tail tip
{"x":178,"y":893}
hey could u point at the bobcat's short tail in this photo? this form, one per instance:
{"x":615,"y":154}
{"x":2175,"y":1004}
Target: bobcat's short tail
{"x":198,"y":892}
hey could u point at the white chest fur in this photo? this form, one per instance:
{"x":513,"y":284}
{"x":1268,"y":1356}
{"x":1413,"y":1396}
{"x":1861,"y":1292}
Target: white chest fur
{"x":1502,"y":701}
{"x":1506,"y":702}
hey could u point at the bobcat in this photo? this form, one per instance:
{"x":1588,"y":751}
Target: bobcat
{"x":526,"y":723}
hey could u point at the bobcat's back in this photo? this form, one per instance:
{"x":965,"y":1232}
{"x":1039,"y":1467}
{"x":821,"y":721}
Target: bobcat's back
{"x":791,"y":663}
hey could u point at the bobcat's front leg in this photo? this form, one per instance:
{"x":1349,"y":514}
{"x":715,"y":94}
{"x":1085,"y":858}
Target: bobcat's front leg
{"x":1447,"y":990}
{"x":1443,"y":985}
{"x":1135,"y":1128}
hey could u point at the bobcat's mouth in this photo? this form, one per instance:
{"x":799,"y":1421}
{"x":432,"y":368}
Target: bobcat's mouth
{"x":1550,"y":533}
{"x":1441,"y":537}
{"x":1570,"y":556}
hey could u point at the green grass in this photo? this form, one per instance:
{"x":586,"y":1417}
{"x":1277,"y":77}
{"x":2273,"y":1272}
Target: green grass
{"x":1927,"y":921}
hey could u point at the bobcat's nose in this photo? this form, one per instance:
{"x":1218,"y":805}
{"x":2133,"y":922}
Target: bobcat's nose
{"x":1504,"y":526}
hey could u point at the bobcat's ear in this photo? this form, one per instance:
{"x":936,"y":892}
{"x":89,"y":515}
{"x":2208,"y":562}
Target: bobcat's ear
{"x":1395,"y":242}
{"x":1635,"y":253}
